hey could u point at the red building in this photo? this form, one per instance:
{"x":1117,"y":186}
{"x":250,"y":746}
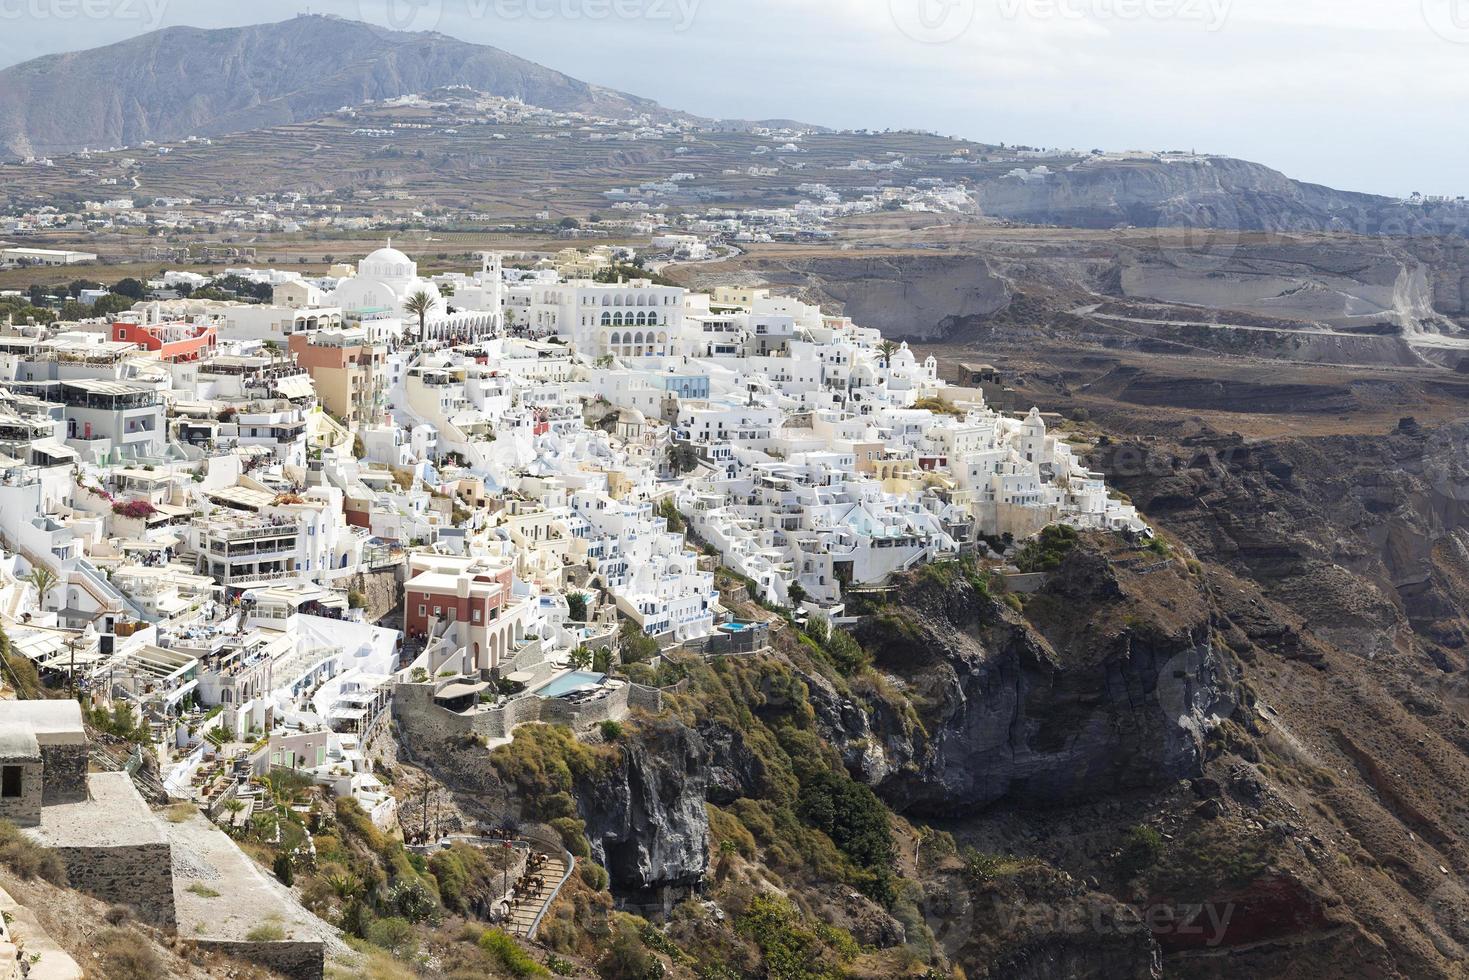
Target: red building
{"x":473,"y":595}
{"x":174,"y":341}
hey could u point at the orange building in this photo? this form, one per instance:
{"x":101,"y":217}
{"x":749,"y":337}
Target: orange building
{"x":348,"y":371}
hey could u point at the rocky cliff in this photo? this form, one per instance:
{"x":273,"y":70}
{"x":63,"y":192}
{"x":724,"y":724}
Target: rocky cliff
{"x":1299,"y":295}
{"x":1109,"y":681}
{"x":645,"y":817}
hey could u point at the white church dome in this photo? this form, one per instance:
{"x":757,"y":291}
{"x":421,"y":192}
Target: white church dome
{"x":388,"y":256}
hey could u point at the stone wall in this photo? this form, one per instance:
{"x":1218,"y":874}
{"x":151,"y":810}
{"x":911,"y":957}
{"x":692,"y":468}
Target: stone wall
{"x":136,"y":875}
{"x":382,"y":589}
{"x":297,"y":959}
{"x":25,"y":809}
{"x":66,"y":771}
{"x":647,"y":698}
{"x":421,"y":719}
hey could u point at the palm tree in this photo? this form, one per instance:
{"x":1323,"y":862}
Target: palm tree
{"x":887,"y":349}
{"x":44,"y":581}
{"x":420,"y":304}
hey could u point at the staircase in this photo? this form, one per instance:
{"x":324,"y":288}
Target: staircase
{"x":526,"y":913}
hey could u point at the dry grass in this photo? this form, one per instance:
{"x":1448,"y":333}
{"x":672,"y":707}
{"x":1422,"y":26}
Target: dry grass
{"x":27,"y":858}
{"x":126,"y":955}
{"x":180,"y":812}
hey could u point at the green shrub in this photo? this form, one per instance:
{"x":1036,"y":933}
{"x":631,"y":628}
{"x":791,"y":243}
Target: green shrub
{"x":857,"y":823}
{"x":394,"y":934}
{"x":611,"y":730}
{"x":593,"y":874}
{"x":635,"y":645}
{"x":788,"y":947}
{"x":1046,"y":550}
{"x":573,"y":835}
{"x":1141,"y":849}
{"x":627,"y":957}
{"x":514,"y":960}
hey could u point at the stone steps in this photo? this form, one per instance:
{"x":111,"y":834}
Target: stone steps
{"x":523,"y":913}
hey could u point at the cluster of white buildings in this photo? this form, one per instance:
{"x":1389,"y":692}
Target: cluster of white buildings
{"x":207,"y":509}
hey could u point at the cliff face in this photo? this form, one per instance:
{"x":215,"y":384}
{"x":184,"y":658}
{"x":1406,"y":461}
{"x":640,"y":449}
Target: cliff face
{"x":1126,"y":286}
{"x":1099,"y":688}
{"x":1213,"y":192}
{"x":1268,"y":510}
{"x":646,"y":823}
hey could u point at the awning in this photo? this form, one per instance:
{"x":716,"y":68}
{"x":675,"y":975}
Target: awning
{"x":296,"y":386}
{"x":460,"y":690}
{"x":178,"y":693}
{"x":55,"y":449}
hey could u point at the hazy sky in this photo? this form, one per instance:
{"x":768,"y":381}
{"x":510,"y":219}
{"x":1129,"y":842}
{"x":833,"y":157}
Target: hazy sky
{"x":1360,"y":94}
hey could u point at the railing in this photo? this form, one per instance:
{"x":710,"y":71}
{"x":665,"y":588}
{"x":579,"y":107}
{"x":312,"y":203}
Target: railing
{"x":261,"y":578}
{"x":570,"y":862}
{"x":255,"y":531}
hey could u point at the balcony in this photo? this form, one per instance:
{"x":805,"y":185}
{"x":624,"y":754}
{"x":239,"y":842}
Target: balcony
{"x":254,"y":531}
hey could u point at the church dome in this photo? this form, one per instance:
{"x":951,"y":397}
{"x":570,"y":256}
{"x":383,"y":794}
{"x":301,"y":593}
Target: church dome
{"x":389,"y":256}
{"x":389,"y":265}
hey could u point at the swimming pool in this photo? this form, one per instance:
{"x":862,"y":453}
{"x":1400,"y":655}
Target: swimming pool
{"x":734,"y":627}
{"x":576,"y":680}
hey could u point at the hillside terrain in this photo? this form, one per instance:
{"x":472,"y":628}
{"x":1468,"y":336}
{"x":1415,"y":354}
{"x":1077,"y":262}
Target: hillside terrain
{"x":1330,"y":298}
{"x":184,"y":81}
{"x":270,"y":93}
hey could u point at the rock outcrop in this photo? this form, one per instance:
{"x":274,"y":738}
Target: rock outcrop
{"x":1110,"y":681}
{"x":646,"y":823}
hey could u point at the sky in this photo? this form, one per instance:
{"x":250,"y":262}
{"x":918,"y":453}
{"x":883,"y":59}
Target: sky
{"x":1361,"y":95}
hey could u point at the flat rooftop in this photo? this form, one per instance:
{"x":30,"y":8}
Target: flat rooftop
{"x":54,"y":722}
{"x":113,"y":815}
{"x":247,"y":897}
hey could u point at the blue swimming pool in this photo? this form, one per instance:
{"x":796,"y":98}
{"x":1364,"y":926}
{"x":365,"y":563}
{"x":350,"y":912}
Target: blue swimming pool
{"x":576,"y":680}
{"x":734,"y":627}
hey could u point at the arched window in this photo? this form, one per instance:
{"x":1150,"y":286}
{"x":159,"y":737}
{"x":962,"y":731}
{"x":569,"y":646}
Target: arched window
{"x":606,"y":319}
{"x":616,"y":339}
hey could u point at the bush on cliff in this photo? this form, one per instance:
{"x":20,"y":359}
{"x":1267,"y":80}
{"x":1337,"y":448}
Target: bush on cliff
{"x":1046,"y":550}
{"x":514,"y":960}
{"x":544,"y":763}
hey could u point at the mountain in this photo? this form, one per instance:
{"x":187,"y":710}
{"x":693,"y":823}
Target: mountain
{"x":184,"y":81}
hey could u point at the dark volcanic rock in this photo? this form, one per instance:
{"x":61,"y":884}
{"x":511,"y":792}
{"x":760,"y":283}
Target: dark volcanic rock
{"x":1103,"y":688}
{"x":647,"y":824}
